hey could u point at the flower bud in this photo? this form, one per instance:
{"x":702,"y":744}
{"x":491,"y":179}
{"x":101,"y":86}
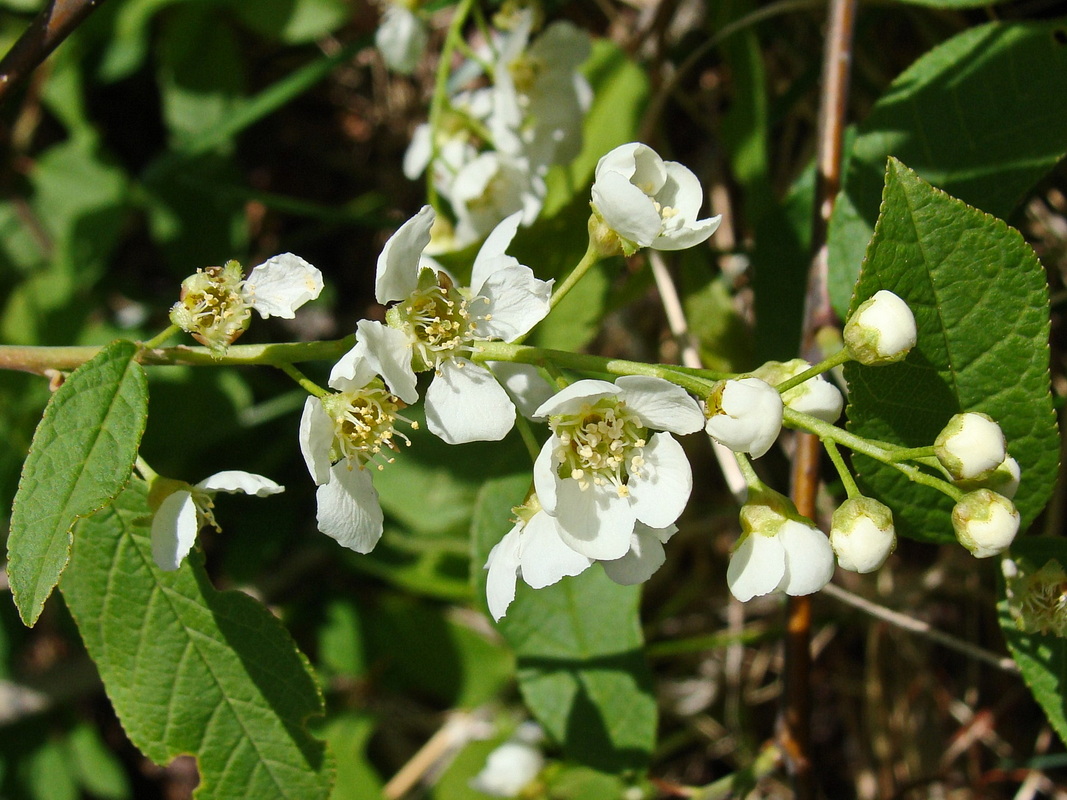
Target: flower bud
{"x":971,"y":446}
{"x":862,"y":534}
{"x":816,"y":396}
{"x":881,"y":331}
{"x":985,"y":522}
{"x":1003,"y":480}
{"x":745,"y":415}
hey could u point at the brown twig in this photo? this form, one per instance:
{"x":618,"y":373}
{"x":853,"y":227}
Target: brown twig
{"x":795,"y":723}
{"x":48,"y":29}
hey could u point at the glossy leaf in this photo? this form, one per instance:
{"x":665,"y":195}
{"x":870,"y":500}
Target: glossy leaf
{"x":81,"y":457}
{"x":980,"y":302}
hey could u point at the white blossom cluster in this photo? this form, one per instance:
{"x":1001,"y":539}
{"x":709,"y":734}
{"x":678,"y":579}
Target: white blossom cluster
{"x":515,"y":108}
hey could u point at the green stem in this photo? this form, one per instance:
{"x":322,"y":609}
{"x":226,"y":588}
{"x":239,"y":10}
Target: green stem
{"x":914,"y":453}
{"x":305,"y":382}
{"x":752,"y":480}
{"x":161,"y":337}
{"x":590,"y":258}
{"x":543,"y":357}
{"x":146,"y":471}
{"x":836,"y":360}
{"x":851,"y":489}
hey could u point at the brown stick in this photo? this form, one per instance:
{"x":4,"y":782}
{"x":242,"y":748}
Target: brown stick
{"x":48,"y":29}
{"x":795,"y":723}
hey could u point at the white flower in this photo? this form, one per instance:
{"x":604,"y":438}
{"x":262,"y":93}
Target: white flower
{"x":490,"y":188}
{"x":791,"y":557}
{"x":971,"y":446}
{"x":816,"y":397}
{"x":881,"y":331}
{"x":513,"y":766}
{"x":862,"y":534}
{"x":602,"y":470}
{"x":340,"y":436}
{"x":186,"y":509}
{"x":401,"y":38}
{"x":533,"y":550}
{"x":216,"y":303}
{"x":646,"y":555}
{"x":436,"y":325}
{"x":745,"y":415}
{"x":649,"y":202}
{"x":1003,"y":480}
{"x":985,"y":522}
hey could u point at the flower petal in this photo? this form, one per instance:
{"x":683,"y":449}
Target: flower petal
{"x":659,"y":495}
{"x":388,"y":353}
{"x":525,"y":384}
{"x":685,"y":236}
{"x":645,"y":557}
{"x":316,"y":437}
{"x":545,"y":477}
{"x":349,"y":511}
{"x":626,"y":209}
{"x":503,"y":566}
{"x":543,"y":556}
{"x":174,"y":529}
{"x":353,"y":370}
{"x":491,"y":256}
{"x":465,"y":404}
{"x":517,"y":302}
{"x":756,"y":566}
{"x":660,"y":404}
{"x":280,"y":285}
{"x":588,"y":391}
{"x":235,"y":480}
{"x":398,"y":264}
{"x":809,"y":559}
{"x":597,"y":522}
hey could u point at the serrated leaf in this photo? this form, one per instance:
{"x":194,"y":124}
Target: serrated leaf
{"x":980,"y":302}
{"x":189,"y":669}
{"x":82,"y":455}
{"x":581,"y":667}
{"x":1041,"y":657}
{"x":982,"y":116}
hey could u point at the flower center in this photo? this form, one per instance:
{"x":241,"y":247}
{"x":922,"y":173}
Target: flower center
{"x":364,"y":423}
{"x":439,"y":321}
{"x":601,"y":444}
{"x":214,"y":305}
{"x":204,"y":502}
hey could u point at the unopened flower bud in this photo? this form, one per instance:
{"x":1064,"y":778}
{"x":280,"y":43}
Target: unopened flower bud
{"x":1003,"y":480}
{"x":745,"y":415}
{"x":862,"y":534}
{"x":881,"y":331}
{"x":816,"y":396}
{"x":985,"y":522}
{"x":970,"y":446}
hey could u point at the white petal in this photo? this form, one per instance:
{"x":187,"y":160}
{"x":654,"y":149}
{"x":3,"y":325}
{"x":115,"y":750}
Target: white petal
{"x":420,"y":151}
{"x":349,"y":510}
{"x":545,"y":477}
{"x":280,"y":285}
{"x":234,"y":480}
{"x":684,"y":237}
{"x":626,"y":209}
{"x":174,"y":529}
{"x":388,"y":353}
{"x":517,"y":302}
{"x":401,"y":38}
{"x":543,"y":555}
{"x":756,"y":566}
{"x":492,"y":251}
{"x":681,"y":191}
{"x":352,"y":371}
{"x":597,"y":522}
{"x":525,"y":384}
{"x":465,"y":404}
{"x":645,"y":557}
{"x":316,"y":437}
{"x":661,"y":404}
{"x":659,"y":495}
{"x":585,"y":391}
{"x":503,"y":566}
{"x":809,"y":559}
{"x":751,"y":416}
{"x":398,"y":264}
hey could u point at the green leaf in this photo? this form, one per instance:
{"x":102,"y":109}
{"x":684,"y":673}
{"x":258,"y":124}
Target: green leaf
{"x":97,"y":768}
{"x":189,"y":669}
{"x":980,"y":302}
{"x":982,"y":116}
{"x":581,"y":667}
{"x":81,"y":457}
{"x":348,"y":736}
{"x":1041,"y":657}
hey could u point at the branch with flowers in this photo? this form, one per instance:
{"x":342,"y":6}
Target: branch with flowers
{"x":949,"y":437}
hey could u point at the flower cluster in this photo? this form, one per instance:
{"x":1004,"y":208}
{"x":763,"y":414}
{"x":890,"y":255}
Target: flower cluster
{"x":490,"y":150}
